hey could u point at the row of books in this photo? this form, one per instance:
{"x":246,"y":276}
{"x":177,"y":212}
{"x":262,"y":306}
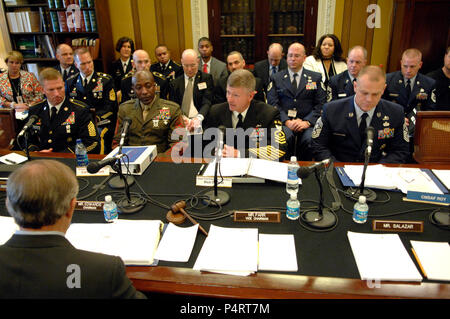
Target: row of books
{"x":92,"y":44}
{"x":63,"y":4}
{"x":286,"y":23}
{"x":241,"y":23}
{"x":235,"y":6}
{"x":62,"y":21}
{"x":23,"y":21}
{"x":287,"y":5}
{"x":244,"y":45}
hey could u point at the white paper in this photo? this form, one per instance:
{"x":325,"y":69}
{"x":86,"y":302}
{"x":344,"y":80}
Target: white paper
{"x":7,"y":228}
{"x":229,"y":167}
{"x":277,"y":252}
{"x":434,"y":258}
{"x":376,"y":176}
{"x":229,"y":250}
{"x":177,"y":243}
{"x":13,"y":158}
{"x":382,"y":257}
{"x":135,"y":241}
{"x":444,"y":176}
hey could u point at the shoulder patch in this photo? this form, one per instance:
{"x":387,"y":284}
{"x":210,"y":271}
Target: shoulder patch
{"x":79,"y":103}
{"x":159,"y":75}
{"x":317,"y":128}
{"x":104,"y":75}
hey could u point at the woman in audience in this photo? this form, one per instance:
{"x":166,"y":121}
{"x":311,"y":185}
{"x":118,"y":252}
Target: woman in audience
{"x":19,"y":89}
{"x":326,"y":58}
{"x":123,"y":65}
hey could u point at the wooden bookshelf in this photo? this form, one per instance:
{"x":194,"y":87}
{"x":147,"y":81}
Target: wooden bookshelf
{"x":250,"y":26}
{"x":37,"y":27}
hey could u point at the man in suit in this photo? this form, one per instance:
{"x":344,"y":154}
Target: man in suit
{"x":38,"y":261}
{"x":96,"y":89}
{"x":165,"y":65}
{"x":193,"y":91}
{"x":341,"y":84}
{"x":64,"y":54}
{"x":341,"y":131}
{"x":235,"y":61}
{"x":141,"y":61}
{"x":442,"y":78}
{"x":152,"y":119}
{"x":274,"y":63}
{"x":299,"y":95}
{"x":61,"y":120}
{"x":253,"y":128}
{"x":208,"y":63}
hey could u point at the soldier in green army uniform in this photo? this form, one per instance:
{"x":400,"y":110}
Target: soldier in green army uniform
{"x":61,"y":120}
{"x":141,"y":61}
{"x":152,"y":119}
{"x":96,"y":89}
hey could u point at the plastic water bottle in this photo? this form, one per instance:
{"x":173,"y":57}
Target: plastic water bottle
{"x":110,"y":210}
{"x":360,"y":210}
{"x":81,"y":154}
{"x":292,"y":178}
{"x":293,"y":207}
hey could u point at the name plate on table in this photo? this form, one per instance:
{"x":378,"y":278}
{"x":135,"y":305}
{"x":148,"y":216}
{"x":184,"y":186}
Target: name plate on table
{"x":398,"y":226}
{"x":208,"y":181}
{"x":257,"y":217}
{"x":441,"y":199}
{"x":89,"y":205}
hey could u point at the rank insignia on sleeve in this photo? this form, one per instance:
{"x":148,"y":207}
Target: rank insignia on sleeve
{"x":91,"y":129}
{"x":112,"y":95}
{"x":317,"y":128}
{"x":405,"y":133}
{"x":433,"y":96}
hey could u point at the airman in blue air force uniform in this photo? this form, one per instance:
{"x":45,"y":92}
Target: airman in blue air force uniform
{"x":337,"y":132}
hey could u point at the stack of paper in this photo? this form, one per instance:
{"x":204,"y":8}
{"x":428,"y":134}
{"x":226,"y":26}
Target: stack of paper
{"x":177,"y":243}
{"x":434,"y":257}
{"x":135,"y":241}
{"x":382,"y":257}
{"x":444,"y":176}
{"x":7,"y":228}
{"x":277,"y":252}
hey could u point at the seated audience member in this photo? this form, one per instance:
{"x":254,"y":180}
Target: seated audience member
{"x":326,"y":58}
{"x":341,"y":131}
{"x":38,"y":262}
{"x":193,"y":91}
{"x":141,"y":61}
{"x":274,"y":63}
{"x":299,"y":95}
{"x":19,"y":89}
{"x":64,"y":54}
{"x":235,"y":61}
{"x":442,"y":78}
{"x":123,"y":65}
{"x":152,"y":119}
{"x":96,"y":89}
{"x":61,"y":120}
{"x":165,"y":65}
{"x":341,"y":85}
{"x":208,"y":63}
{"x":253,"y":127}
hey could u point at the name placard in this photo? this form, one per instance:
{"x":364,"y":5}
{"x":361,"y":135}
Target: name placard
{"x":89,"y":205}
{"x":208,"y":181}
{"x":257,"y":217}
{"x":398,"y":226}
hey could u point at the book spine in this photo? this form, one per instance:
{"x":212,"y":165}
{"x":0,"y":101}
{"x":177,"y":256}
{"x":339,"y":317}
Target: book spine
{"x":63,"y":27}
{"x":92,"y":19}
{"x":55,"y":23}
{"x":51,"y":4}
{"x":87,"y":21}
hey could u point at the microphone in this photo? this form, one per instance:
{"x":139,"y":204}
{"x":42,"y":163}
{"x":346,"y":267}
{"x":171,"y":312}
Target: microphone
{"x":30,"y":123}
{"x":370,"y":131}
{"x":304,"y":171}
{"x":220,"y":140}
{"x":94,"y":167}
{"x":125,"y":127}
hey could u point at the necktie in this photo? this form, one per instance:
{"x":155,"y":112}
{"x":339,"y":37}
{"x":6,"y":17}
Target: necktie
{"x":408,"y":89}
{"x":205,"y":68}
{"x":53,"y":114}
{"x":294,"y":82}
{"x":65,"y":75}
{"x":124,"y":68}
{"x":85,"y":83}
{"x":274,"y":70}
{"x":363,"y":127}
{"x":145,"y":113}
{"x":240,"y":122}
{"x":187,"y":98}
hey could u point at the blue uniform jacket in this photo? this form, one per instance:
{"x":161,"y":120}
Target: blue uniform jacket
{"x":341,"y":86}
{"x":336,"y":133}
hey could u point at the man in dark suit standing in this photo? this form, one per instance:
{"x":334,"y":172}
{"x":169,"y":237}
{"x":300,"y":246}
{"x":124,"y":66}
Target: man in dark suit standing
{"x":253,"y":128}
{"x":193,"y":91}
{"x":64,"y":54}
{"x":299,"y":95}
{"x":341,"y":84}
{"x":38,"y":261}
{"x":274,"y":63}
{"x":165,"y":65}
{"x":340,"y":132}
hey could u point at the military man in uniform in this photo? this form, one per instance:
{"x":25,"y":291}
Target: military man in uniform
{"x":166,"y":66}
{"x":64,"y":54}
{"x":299,"y":95}
{"x":96,"y":89}
{"x":152,"y":119}
{"x":141,"y":61}
{"x":61,"y":120}
{"x":340,"y":132}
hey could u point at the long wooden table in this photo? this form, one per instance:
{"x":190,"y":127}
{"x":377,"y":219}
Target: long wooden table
{"x":186,"y":281}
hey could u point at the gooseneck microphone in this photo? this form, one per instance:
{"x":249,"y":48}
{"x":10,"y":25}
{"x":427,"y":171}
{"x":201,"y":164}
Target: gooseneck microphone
{"x":370,"y":132}
{"x":94,"y":167}
{"x":29,"y":124}
{"x":304,"y":171}
{"x":125,"y":127}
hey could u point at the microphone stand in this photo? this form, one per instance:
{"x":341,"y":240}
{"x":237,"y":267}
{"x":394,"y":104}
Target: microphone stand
{"x":134,"y":203}
{"x":323,"y":218}
{"x":27,"y":151}
{"x":368,"y":193}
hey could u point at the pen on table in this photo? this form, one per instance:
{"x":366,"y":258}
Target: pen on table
{"x":418,"y":262}
{"x":200,"y":172}
{"x":9,"y":161}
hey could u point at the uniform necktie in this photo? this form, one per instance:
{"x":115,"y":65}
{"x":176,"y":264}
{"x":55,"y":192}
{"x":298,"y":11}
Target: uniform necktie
{"x":205,"y":68}
{"x":294,"y":82}
{"x":363,"y":127}
{"x":240,"y":122}
{"x":145,"y":113}
{"x":53,"y":114}
{"x":85,"y":83}
{"x":274,"y":70}
{"x":65,"y":75}
{"x":408,"y":89}
{"x":187,"y":98}
{"x":124,"y":68}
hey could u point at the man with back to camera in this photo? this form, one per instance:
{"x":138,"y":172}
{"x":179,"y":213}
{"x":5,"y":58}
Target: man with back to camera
{"x":37,"y":260}
{"x":340,"y":132}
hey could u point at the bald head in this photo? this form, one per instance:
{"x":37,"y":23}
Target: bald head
{"x":275,"y":54}
{"x":411,"y":63}
{"x":296,"y":56}
{"x":144,"y":86}
{"x":64,"y":54}
{"x":141,"y":60}
{"x":189,"y":61}
{"x":356,"y":60}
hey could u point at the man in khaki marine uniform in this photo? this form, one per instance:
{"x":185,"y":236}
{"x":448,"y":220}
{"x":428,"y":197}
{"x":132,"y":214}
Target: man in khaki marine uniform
{"x":152,"y":119}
